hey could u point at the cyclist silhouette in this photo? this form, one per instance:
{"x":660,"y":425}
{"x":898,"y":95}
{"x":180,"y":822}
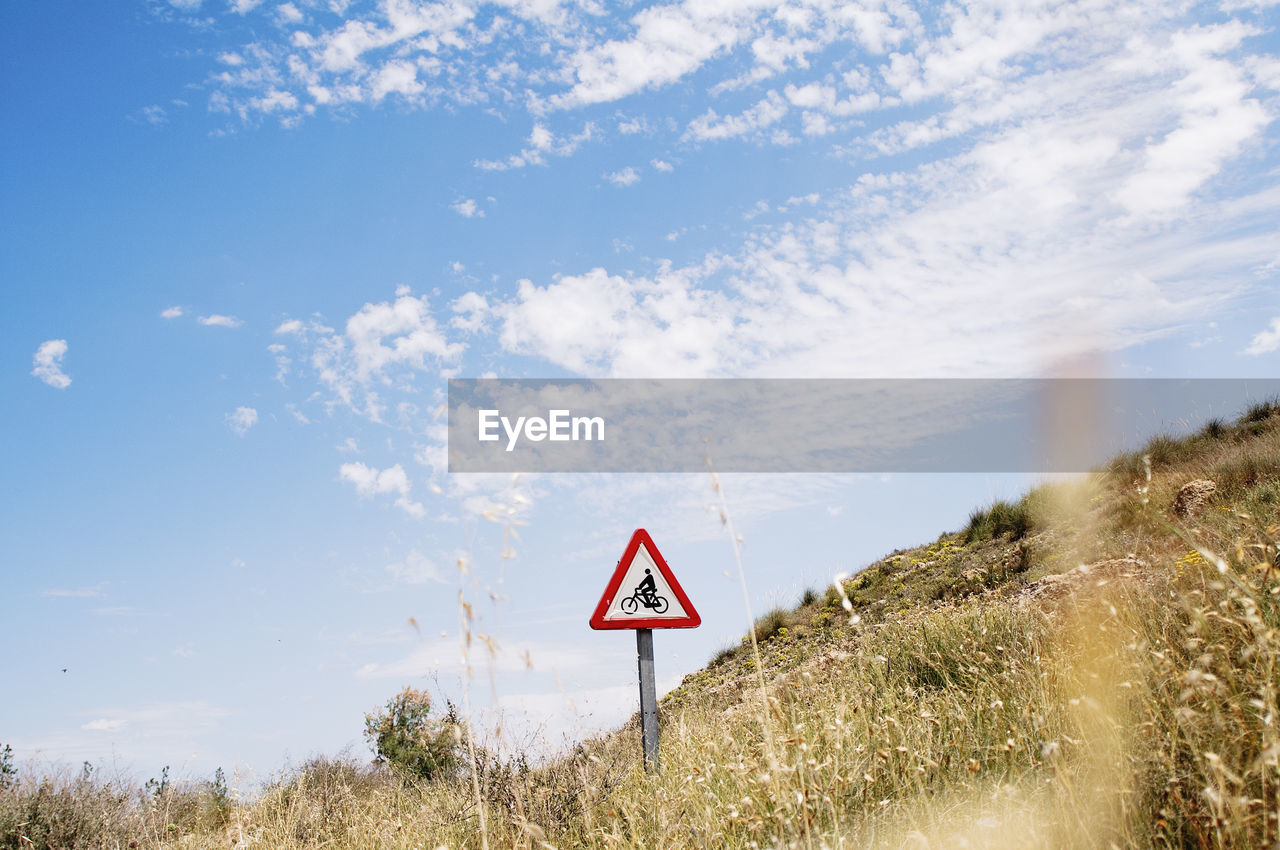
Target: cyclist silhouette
{"x":646,"y":594}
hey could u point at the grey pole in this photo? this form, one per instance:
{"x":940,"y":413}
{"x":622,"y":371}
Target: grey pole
{"x":648,"y":699}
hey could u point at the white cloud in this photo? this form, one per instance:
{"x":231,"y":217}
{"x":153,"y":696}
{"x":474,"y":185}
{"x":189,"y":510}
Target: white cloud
{"x":241,"y":420}
{"x":172,"y":721}
{"x":287,"y":13}
{"x":283,"y":361}
{"x":383,"y":347}
{"x":467,"y":208}
{"x":403,"y":332}
{"x":289,"y":326}
{"x":542,"y":143}
{"x":660,"y":165}
{"x":1266,"y":341}
{"x":471,"y":312}
{"x":597,"y":323}
{"x":1082,"y":167}
{"x":370,"y":481}
{"x":1216,"y":118}
{"x":241,"y":7}
{"x":297,"y":414}
{"x":104,"y":724}
{"x":632,"y":126}
{"x":416,"y":568}
{"x":47,"y":363}
{"x":397,"y":77}
{"x":185,"y":5}
{"x":625,"y":177}
{"x":712,"y":127}
{"x":155,"y":115}
{"x":171,"y":313}
{"x":1065,"y":126}
{"x":219,"y":321}
{"x":897,"y":276}
{"x":668,"y":42}
{"x":275,"y":100}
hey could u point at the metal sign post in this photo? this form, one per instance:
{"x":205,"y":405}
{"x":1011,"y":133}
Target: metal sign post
{"x":648,"y":700}
{"x":644,"y":595}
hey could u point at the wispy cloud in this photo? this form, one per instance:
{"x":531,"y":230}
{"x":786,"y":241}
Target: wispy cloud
{"x":171,"y":312}
{"x":47,"y":363}
{"x":467,"y":208}
{"x":711,"y":127}
{"x":219,"y":321}
{"x":542,"y":143}
{"x":1046,"y":209}
{"x":625,"y":177}
{"x":370,"y":481}
{"x":241,"y":420}
{"x":416,"y":568}
{"x":162,"y":719}
{"x":382,"y":342}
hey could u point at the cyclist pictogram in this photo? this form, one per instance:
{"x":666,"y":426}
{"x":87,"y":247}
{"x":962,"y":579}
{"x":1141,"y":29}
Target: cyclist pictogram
{"x":646,"y":594}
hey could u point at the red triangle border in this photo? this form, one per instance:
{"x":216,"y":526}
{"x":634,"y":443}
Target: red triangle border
{"x":640,"y":536}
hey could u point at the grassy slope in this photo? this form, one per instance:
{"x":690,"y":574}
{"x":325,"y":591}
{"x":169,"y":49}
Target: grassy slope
{"x":981,"y":689}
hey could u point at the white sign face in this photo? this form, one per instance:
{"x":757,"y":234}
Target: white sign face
{"x":644,"y":593}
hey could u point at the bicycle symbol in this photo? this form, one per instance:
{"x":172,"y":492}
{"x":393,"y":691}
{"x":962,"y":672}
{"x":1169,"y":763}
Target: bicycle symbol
{"x":646,"y":594}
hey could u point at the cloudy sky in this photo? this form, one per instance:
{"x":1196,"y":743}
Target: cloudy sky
{"x":245,"y":242}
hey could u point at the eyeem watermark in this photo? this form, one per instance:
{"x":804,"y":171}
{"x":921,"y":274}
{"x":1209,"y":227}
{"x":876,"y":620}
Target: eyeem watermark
{"x":559,"y":426}
{"x":823,"y":425}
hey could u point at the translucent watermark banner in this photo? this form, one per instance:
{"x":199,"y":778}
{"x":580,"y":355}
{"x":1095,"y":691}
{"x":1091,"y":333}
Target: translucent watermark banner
{"x":825,"y":425}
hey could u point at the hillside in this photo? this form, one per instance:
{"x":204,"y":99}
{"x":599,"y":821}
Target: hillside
{"x":1094,"y":665}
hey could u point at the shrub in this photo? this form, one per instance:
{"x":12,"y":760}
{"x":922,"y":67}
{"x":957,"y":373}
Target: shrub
{"x":772,"y":623}
{"x":1164,"y":449}
{"x":1261,"y":411}
{"x":7,"y":771}
{"x":1240,"y":473}
{"x":405,"y":736}
{"x":1000,"y":519}
{"x":723,"y":656}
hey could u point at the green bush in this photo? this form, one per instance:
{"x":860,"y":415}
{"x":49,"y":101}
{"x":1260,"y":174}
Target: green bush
{"x":1261,"y":411}
{"x":405,"y":735}
{"x":1214,"y":429}
{"x":772,"y":623}
{"x":723,"y":656}
{"x":8,"y":773}
{"x":1011,"y":518}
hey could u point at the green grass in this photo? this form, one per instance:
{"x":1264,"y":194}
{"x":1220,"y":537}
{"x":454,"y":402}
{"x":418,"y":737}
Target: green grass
{"x":1011,"y":519}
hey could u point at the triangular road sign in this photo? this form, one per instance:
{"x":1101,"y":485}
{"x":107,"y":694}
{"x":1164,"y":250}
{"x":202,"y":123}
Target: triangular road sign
{"x":643,"y":593}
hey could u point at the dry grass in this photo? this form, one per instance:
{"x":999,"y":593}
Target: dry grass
{"x":979,"y":693}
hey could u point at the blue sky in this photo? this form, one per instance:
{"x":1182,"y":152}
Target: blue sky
{"x":245,"y":243}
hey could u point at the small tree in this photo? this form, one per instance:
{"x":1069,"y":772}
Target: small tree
{"x":8,"y":773}
{"x":404,"y":735}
